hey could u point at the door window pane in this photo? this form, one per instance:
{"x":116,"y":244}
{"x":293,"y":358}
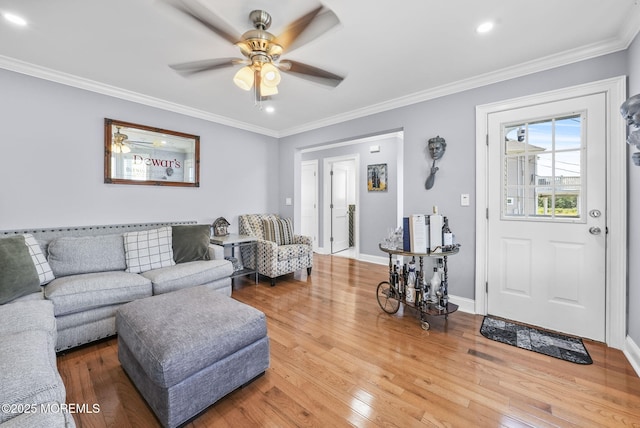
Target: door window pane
{"x":543,"y":169}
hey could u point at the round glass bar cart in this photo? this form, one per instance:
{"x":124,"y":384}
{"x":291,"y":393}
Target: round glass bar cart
{"x":390,"y":295}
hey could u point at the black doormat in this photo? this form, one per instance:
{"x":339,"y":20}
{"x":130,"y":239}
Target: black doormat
{"x":533,"y":339}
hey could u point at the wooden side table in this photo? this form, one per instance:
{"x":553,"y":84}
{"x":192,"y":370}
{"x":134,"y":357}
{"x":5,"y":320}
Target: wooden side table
{"x":234,"y":241}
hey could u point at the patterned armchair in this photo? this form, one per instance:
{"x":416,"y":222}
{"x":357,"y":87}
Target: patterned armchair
{"x":279,"y":251}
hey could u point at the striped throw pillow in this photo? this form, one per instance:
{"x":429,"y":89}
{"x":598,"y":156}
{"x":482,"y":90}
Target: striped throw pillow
{"x":278,"y":230}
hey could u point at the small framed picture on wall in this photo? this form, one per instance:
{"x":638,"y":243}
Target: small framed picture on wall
{"x":377,"y":177}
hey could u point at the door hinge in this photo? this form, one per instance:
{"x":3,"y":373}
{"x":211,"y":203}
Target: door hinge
{"x":331,"y":206}
{"x":486,"y":287}
{"x":331,"y":172}
{"x":331,"y":239}
{"x":487,"y":139}
{"x":487,"y":213}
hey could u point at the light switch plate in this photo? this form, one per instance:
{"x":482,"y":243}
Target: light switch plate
{"x":464,"y":199}
{"x":287,"y":201}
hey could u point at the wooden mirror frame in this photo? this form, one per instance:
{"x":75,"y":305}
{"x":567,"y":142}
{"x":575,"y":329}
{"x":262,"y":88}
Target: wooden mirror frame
{"x":153,"y":156}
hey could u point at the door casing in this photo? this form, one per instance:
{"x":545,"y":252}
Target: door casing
{"x":327,"y":198}
{"x":616,"y":259}
{"x":310,"y":222}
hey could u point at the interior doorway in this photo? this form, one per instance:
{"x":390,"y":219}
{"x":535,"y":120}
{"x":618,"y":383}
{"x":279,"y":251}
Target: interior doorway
{"x":371,"y":212}
{"x":341,"y":192}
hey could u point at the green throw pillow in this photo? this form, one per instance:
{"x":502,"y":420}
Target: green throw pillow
{"x":191,"y":242}
{"x":18,"y":275}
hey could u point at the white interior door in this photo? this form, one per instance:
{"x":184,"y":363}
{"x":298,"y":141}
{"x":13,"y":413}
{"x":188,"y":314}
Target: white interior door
{"x":339,"y":206}
{"x":547,"y":215}
{"x":309,"y":201}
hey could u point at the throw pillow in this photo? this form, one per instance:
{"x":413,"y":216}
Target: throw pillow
{"x":19,"y":276}
{"x":72,"y":255}
{"x":39,"y":260}
{"x":278,"y":230}
{"x":148,"y":249}
{"x":191,"y":242}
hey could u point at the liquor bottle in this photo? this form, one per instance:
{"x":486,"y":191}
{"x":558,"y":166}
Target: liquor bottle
{"x":399,"y":279}
{"x":411,"y":283}
{"x":447,"y":235}
{"x":445,"y":294}
{"x":419,"y":293}
{"x":395,"y":278}
{"x":435,"y":231}
{"x":435,"y":284}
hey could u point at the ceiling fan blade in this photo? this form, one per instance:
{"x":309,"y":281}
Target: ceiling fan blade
{"x":195,"y":67}
{"x":307,"y":28}
{"x":311,"y":73}
{"x":206,"y":18}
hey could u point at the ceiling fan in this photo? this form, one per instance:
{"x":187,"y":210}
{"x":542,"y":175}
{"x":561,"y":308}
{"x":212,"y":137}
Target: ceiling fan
{"x":261,"y":49}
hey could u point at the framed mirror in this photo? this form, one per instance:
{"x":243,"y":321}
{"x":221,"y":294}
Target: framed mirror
{"x":139,"y":154}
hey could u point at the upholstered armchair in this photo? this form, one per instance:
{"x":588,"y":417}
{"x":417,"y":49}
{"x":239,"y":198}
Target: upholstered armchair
{"x":279,"y":251}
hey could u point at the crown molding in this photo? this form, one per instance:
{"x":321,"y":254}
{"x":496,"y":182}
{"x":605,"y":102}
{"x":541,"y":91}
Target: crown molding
{"x":33,"y":70}
{"x":530,"y":67}
{"x":626,"y":36}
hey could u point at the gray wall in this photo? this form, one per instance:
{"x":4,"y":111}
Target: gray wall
{"x":633,"y":227}
{"x":376,"y":210}
{"x":453,"y":118}
{"x":52,"y":145}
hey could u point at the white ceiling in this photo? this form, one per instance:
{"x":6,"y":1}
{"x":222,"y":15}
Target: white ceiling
{"x":392,"y":53}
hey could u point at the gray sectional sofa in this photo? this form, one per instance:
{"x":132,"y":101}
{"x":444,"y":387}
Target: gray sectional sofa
{"x":89,"y":272}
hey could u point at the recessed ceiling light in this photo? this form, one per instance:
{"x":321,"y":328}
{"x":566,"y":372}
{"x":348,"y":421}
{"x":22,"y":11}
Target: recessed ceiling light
{"x":485,"y":27}
{"x":269,"y":109}
{"x":15,"y":19}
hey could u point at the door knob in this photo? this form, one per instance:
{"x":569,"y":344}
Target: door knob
{"x":595,"y":230}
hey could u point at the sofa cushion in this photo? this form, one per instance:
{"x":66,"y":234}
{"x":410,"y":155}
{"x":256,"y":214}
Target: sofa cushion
{"x":19,"y":276}
{"x":27,"y":315}
{"x":190,"y":242}
{"x":188,"y":274}
{"x":278,"y":230}
{"x":86,"y":254}
{"x":28,"y":372}
{"x":148,"y":249}
{"x":39,"y":260}
{"x":76,"y":293}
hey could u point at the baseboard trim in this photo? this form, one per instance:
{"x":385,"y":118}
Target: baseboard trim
{"x":464,"y":304}
{"x":632,"y":352}
{"x":379,"y":260}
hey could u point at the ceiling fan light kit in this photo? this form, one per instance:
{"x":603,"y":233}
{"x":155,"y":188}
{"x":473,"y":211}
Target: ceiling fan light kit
{"x":119,"y":145}
{"x":262,"y":51}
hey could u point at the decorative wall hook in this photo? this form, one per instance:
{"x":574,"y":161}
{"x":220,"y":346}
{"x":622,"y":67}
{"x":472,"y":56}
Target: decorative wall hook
{"x":437,"y":147}
{"x":630,"y":110}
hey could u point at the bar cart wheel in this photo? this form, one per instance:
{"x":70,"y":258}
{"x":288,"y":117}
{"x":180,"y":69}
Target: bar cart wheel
{"x":388,"y":298}
{"x":425,"y":325}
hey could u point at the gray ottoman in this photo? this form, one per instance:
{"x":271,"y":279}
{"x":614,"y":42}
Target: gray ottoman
{"x":186,"y":349}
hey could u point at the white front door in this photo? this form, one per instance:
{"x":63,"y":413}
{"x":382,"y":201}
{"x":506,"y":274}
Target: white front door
{"x":339,"y":206}
{"x":309,"y":201}
{"x":547,"y":215}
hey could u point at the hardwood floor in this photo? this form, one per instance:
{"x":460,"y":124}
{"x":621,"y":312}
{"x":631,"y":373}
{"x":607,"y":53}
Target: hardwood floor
{"x":338,"y":360}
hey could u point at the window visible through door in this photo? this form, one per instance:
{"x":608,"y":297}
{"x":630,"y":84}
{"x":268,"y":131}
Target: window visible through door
{"x":543,"y":177}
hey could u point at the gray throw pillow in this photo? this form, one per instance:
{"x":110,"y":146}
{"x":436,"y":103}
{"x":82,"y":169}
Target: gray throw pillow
{"x":191,"y":242}
{"x":70,"y":255}
{"x":18,"y":275}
